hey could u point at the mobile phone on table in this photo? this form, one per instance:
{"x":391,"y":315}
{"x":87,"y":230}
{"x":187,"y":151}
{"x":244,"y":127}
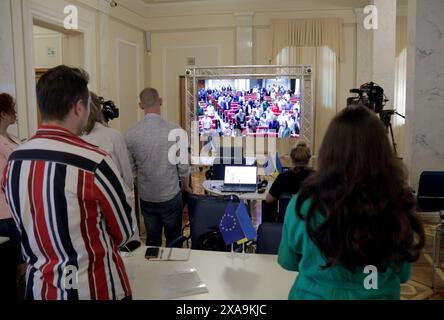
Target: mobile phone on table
{"x":130,"y":246}
{"x":151,"y":253}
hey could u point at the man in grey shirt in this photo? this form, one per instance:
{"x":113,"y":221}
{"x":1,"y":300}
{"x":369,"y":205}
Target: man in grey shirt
{"x":157,"y":175}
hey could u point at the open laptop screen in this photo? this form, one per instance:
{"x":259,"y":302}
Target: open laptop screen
{"x":240,"y":175}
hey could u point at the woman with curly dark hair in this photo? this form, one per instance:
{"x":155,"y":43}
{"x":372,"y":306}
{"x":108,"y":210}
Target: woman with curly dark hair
{"x":355,"y":211}
{"x":8,"y":143}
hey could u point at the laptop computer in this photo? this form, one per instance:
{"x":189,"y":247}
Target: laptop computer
{"x":240,"y":179}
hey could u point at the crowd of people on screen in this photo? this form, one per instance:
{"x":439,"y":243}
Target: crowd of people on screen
{"x":272,"y":111}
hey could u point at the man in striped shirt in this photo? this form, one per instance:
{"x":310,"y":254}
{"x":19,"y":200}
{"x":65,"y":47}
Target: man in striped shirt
{"x":68,"y":200}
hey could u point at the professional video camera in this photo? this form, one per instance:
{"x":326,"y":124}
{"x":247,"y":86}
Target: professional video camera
{"x":109,"y":109}
{"x":372,"y":96}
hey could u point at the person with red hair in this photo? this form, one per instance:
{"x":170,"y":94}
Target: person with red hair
{"x":7,"y":226}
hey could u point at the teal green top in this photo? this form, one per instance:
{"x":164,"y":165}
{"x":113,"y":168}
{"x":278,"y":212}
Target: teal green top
{"x":297,"y":252}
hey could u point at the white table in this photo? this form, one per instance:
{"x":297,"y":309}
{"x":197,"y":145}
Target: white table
{"x":213,"y":187}
{"x":254,"y":277}
{"x":3,"y":240}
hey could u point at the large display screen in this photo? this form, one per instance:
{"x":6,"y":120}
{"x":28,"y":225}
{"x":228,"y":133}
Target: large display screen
{"x":250,"y":107}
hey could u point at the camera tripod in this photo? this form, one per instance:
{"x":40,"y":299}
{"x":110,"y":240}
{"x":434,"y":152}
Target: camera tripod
{"x":386,"y":117}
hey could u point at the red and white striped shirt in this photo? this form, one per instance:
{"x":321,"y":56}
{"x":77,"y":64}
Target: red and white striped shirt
{"x":73,"y":212}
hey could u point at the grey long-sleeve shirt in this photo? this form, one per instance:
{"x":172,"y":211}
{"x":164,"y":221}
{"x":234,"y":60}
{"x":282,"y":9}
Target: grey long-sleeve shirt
{"x":149,"y":149}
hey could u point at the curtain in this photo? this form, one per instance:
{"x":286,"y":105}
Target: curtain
{"x":315,"y":42}
{"x":400,"y":83}
{"x":324,"y":63}
{"x":307,"y":33}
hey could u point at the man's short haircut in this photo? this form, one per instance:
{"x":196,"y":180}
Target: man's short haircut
{"x":149,"y":97}
{"x":59,"y":89}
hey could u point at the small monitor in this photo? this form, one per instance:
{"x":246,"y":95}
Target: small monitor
{"x":240,"y":175}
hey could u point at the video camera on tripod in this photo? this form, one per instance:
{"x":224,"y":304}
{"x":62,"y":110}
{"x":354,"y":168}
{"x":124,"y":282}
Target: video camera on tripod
{"x":109,"y":109}
{"x":372,"y":96}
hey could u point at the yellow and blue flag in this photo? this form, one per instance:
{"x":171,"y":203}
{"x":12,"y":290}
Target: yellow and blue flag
{"x":278,"y":166}
{"x":273,"y":167}
{"x":246,"y":224}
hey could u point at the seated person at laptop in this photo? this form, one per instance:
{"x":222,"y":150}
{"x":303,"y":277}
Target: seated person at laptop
{"x":290,"y":181}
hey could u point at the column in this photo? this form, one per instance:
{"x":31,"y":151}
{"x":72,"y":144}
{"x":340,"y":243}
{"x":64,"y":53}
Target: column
{"x":383,"y":51}
{"x":375,"y":48}
{"x":13,"y":78}
{"x":425,"y":88}
{"x":7,"y":80}
{"x":364,"y":42}
{"x":7,"y":77}
{"x":244,"y":38}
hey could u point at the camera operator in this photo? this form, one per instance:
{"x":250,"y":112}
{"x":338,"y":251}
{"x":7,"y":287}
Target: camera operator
{"x":98,"y":133}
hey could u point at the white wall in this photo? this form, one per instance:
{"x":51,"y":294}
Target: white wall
{"x":48,"y":50}
{"x":169,"y":60}
{"x":118,"y":46}
{"x":125,"y":55}
{"x":7,"y":74}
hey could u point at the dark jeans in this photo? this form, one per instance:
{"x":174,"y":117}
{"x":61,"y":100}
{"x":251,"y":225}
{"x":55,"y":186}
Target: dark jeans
{"x":160,"y":215}
{"x":10,"y":258}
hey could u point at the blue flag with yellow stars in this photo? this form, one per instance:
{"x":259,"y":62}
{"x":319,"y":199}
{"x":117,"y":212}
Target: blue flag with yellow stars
{"x":229,"y":227}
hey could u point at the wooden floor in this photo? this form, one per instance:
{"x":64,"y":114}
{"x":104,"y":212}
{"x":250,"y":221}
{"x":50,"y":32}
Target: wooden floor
{"x":418,"y":288}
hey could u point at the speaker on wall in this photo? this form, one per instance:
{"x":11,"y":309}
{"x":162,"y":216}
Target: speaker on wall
{"x":148,"y":41}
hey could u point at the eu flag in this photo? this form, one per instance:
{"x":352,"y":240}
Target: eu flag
{"x":230,"y":227}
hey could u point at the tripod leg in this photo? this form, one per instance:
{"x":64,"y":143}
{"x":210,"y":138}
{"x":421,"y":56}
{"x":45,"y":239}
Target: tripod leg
{"x":393,"y":139}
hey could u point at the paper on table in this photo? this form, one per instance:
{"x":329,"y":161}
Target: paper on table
{"x":182,"y":284}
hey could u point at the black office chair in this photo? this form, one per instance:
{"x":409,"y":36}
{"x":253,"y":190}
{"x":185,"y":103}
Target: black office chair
{"x":219,"y":172}
{"x":269,"y":238}
{"x":431,"y":191}
{"x":275,"y":212}
{"x":207,"y":216}
{"x":269,"y":211}
{"x":206,"y":213}
{"x":191,"y":201}
{"x":284,"y":200}
{"x":430,"y":198}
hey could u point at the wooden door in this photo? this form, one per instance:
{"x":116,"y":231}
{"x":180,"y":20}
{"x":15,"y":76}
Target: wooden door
{"x":38,"y":74}
{"x":183,"y":101}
